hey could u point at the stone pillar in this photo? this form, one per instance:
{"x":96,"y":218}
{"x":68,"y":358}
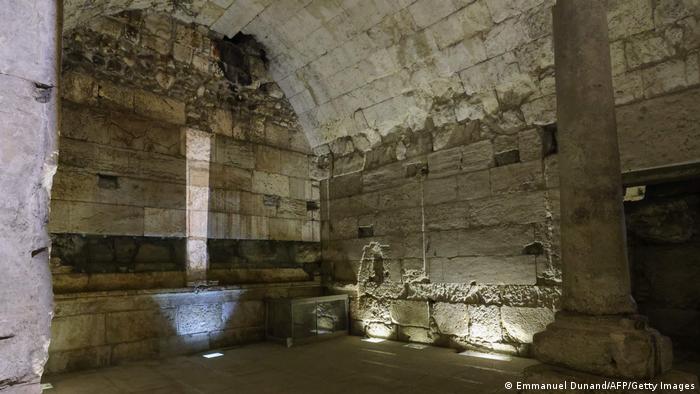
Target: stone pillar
{"x":598,"y":331}
{"x":595,"y":270}
{"x":197,"y":146}
{"x":29,"y":59}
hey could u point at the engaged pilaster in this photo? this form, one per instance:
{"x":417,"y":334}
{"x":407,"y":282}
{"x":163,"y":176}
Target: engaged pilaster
{"x":198,"y":152}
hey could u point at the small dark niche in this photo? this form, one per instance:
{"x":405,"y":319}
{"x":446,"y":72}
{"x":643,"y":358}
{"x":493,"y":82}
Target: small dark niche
{"x":312,"y":206}
{"x":271,"y":200}
{"x":549,"y":140}
{"x":416,"y":169}
{"x":508,"y":157}
{"x":107,"y":181}
{"x":534,"y":249}
{"x":365,"y":231}
{"x":235,"y":53}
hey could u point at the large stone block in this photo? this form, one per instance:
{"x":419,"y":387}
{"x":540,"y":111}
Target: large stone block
{"x":233,"y":178}
{"x":520,"y":324}
{"x":477,"y":156}
{"x":474,"y":185}
{"x":138,"y":325}
{"x":445,"y":162}
{"x":159,"y":107}
{"x":485,"y":323}
{"x":505,"y":240}
{"x":447,"y":216}
{"x":515,"y":270}
{"x":390,"y":175}
{"x":229,"y":151}
{"x":517,"y":177}
{"x":285,"y":229}
{"x":628,"y":17}
{"x":643,"y":142}
{"x":345,"y":185}
{"x":106,"y":219}
{"x":436,"y":191}
{"x":78,"y":359}
{"x":243,"y":314}
{"x":410,"y":313}
{"x":521,"y":208}
{"x":192,"y":319}
{"x":266,"y":183}
{"x":506,"y":36}
{"x":77,"y":332}
{"x":133,"y":351}
{"x":401,"y":221}
{"x":161,"y":167}
{"x":451,"y":319}
{"x":406,"y":196}
{"x":620,"y":346}
{"x":165,"y":222}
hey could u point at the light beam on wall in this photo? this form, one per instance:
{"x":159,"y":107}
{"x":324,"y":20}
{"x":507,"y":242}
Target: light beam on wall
{"x":373,"y":340}
{"x":489,"y":356}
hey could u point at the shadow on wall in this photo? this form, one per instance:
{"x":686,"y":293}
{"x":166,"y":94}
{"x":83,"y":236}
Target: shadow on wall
{"x":94,"y":330}
{"x":664,"y":242}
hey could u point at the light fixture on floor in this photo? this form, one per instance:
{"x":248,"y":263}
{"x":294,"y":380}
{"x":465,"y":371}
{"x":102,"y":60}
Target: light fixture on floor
{"x":373,"y":340}
{"x":416,"y":346}
{"x":490,"y":356}
{"x":212,"y":355}
{"x":46,"y":386}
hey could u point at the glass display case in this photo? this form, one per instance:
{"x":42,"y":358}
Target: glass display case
{"x":299,"y":320}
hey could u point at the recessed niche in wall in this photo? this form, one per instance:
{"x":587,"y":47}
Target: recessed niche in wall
{"x":549,"y":139}
{"x":365,"y":231}
{"x":107,"y":181}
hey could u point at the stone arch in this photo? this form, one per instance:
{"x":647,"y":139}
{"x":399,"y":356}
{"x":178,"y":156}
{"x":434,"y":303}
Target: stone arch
{"x":362,"y":70}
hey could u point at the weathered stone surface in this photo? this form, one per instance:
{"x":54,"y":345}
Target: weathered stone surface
{"x":663,"y":221}
{"x":485,"y":323}
{"x":451,"y":319}
{"x":604,"y":345}
{"x":520,"y":324}
{"x":414,"y":334}
{"x":410,"y":313}
{"x":77,"y":332}
{"x":139,"y":325}
{"x":643,"y":144}
{"x":486,"y":270}
{"x":520,"y":208}
{"x":486,"y":241}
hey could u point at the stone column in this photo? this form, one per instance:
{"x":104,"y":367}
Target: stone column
{"x":598,"y":331}
{"x":29,"y":62}
{"x":198,"y":152}
{"x":593,"y":245}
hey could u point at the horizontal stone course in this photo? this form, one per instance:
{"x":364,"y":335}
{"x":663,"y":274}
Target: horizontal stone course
{"x":93,"y":330}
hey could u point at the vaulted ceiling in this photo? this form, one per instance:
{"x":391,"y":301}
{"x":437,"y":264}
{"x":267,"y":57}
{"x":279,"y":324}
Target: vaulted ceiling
{"x":362,"y":68}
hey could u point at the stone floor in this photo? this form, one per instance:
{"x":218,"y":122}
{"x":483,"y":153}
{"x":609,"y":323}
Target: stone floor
{"x":341,"y":365}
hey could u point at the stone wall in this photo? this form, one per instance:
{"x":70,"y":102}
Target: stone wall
{"x":664,"y":239}
{"x":172,"y":135}
{"x":471,"y":237}
{"x":461,"y":184}
{"x":99,"y":329}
